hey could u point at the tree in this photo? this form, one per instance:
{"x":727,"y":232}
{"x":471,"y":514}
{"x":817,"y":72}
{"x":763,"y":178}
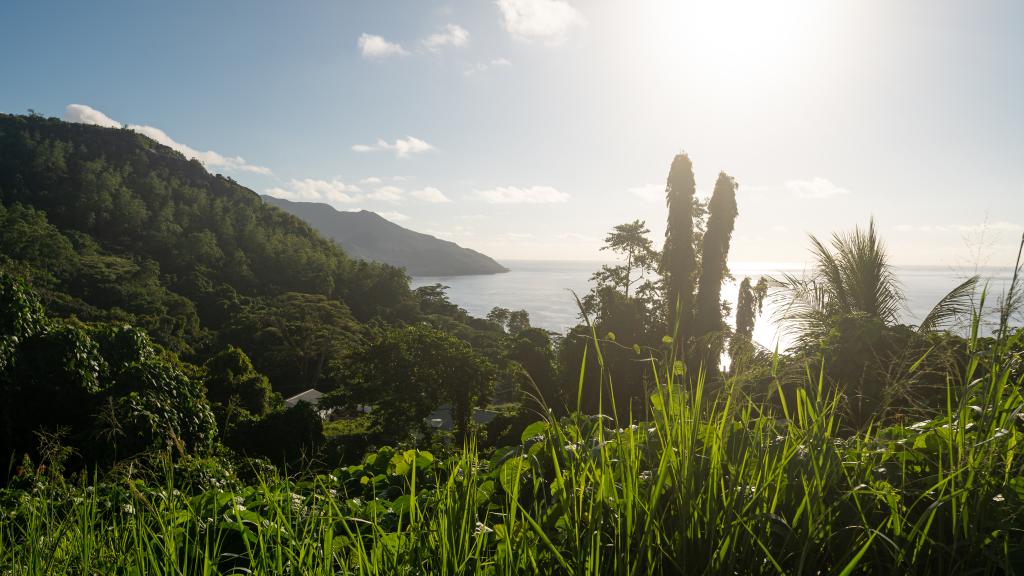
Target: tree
{"x":499,"y":316}
{"x":231,"y":379}
{"x":847,"y":312}
{"x":618,"y":381}
{"x":531,"y":348}
{"x":640,"y":269}
{"x":511,"y":321}
{"x":854,"y":277}
{"x":285,"y":436}
{"x":679,"y":262}
{"x":629,"y":240}
{"x":433,"y":299}
{"x":518,"y":321}
{"x":294,"y":336}
{"x":708,"y":323}
{"x":749,"y":303}
{"x":406,"y":373}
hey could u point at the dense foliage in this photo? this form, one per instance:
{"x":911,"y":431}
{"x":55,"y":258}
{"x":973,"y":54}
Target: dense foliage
{"x":110,"y":225}
{"x":104,"y":389}
{"x":709,"y":485}
{"x":870,"y":447}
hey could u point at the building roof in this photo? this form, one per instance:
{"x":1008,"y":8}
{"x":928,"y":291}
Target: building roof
{"x":311,"y":396}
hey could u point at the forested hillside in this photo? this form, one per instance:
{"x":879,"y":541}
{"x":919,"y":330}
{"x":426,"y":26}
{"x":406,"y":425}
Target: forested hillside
{"x":109,"y":225}
{"x":243,"y":304}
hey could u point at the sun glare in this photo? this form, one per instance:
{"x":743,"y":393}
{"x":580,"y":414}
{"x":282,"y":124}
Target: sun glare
{"x":739,"y":41}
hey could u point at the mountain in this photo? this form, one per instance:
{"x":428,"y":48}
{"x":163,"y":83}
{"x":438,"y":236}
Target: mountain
{"x":108,"y":225}
{"x":368,"y":236}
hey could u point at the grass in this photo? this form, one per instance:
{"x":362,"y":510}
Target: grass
{"x":714,"y":483}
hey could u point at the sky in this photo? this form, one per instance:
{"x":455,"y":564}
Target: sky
{"x":527,"y":129}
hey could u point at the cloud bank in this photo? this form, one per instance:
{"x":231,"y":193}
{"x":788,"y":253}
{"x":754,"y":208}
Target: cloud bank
{"x":402,"y":147}
{"x":312,"y":190}
{"x":515,"y":195}
{"x":83,"y":114}
{"x":339,"y":193}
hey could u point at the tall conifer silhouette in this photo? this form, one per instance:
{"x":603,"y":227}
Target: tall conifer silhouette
{"x":679,"y":263}
{"x":722,"y":213}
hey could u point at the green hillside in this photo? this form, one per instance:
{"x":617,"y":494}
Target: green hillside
{"x":109,"y":225}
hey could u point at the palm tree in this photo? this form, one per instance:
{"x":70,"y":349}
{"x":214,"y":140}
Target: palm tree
{"x":854,"y":277}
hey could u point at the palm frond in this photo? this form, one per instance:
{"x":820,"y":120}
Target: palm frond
{"x":956,"y":304}
{"x":800,"y":307}
{"x":851,"y":276}
{"x":868,"y":282}
{"x":829,"y":275}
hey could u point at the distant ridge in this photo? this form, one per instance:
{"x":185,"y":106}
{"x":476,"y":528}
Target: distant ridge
{"x":369,"y":236}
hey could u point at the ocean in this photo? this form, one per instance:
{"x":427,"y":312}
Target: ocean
{"x":545,"y":290}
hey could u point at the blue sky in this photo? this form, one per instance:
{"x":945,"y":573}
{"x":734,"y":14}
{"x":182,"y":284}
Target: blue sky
{"x":528,"y":128}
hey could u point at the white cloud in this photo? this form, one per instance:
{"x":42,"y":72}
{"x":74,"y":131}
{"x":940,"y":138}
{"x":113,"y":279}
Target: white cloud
{"x":430,"y":194}
{"x":545,"y":20}
{"x":371,"y":180}
{"x":83,"y":114}
{"x":485,"y":66}
{"x":453,"y":35}
{"x":402,"y":147}
{"x":649,"y":192}
{"x":372,"y":46}
{"x":311,"y":190}
{"x":393,"y":216}
{"x":209,"y":158}
{"x":336,"y":192}
{"x":515,"y":195}
{"x":815,"y":188}
{"x":386,"y":194}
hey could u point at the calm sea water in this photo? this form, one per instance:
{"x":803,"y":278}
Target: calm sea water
{"x":544,"y":289}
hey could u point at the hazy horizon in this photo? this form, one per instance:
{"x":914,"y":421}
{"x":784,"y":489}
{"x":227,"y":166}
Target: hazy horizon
{"x":526,"y":129}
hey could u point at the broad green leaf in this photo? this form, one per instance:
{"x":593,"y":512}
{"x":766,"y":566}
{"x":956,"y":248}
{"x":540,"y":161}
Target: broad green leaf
{"x":533,"y":430}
